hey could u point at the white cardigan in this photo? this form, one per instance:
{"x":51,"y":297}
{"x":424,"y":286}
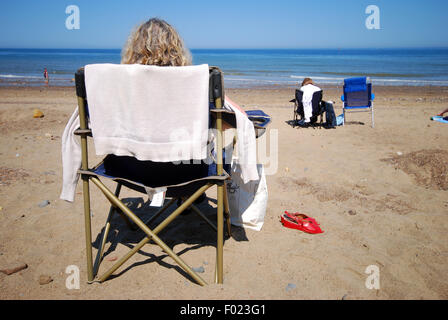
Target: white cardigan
{"x":308,"y":91}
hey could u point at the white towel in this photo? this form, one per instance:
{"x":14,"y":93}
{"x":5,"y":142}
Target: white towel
{"x":146,"y":97}
{"x":246,"y":145}
{"x":308,"y":91}
{"x":71,"y":158}
{"x":149,"y":112}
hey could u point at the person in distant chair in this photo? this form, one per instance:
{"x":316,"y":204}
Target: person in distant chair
{"x":309,"y":88}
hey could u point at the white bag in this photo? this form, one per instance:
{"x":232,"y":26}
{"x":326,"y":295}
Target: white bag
{"x":247,"y":202}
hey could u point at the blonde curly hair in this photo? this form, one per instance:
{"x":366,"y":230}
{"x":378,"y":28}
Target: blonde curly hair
{"x":155,"y":42}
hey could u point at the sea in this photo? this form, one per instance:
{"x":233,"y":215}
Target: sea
{"x":248,"y":68}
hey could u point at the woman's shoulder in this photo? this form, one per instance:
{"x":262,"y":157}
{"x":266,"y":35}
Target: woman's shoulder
{"x":310,"y":87}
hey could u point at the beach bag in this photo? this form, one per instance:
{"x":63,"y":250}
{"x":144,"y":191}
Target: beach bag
{"x":330,"y":117}
{"x":247,"y":201}
{"x":340,"y":120}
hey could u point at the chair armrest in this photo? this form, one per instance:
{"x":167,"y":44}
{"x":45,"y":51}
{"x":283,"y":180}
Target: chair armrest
{"x":372,"y":96}
{"x":228,"y":116}
{"x":79,"y":132}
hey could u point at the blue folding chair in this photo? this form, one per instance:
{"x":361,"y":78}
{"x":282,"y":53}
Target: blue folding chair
{"x":358,"y":96}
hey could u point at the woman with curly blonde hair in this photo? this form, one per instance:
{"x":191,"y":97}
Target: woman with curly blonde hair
{"x":155,"y":42}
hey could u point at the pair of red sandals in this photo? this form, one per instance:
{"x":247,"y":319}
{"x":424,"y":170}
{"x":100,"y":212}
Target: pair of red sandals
{"x":301,"y":222}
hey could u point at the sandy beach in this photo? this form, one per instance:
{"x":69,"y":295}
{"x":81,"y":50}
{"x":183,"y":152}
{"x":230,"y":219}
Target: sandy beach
{"x":380,"y":195}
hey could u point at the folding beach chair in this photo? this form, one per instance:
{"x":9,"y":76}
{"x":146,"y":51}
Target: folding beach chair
{"x":318,"y":107}
{"x":260,"y":120}
{"x":358,"y":96}
{"x":145,"y":176}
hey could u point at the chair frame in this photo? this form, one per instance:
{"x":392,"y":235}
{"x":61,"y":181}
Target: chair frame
{"x":354,"y":109}
{"x":88,"y":175}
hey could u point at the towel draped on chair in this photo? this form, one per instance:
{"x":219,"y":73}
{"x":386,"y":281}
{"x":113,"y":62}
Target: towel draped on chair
{"x":133,"y":114}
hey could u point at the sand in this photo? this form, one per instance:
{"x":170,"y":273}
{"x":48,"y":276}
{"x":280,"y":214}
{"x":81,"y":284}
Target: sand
{"x":380,"y":194}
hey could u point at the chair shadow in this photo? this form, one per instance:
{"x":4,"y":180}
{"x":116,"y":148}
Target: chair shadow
{"x":188,"y":228}
{"x":293,"y":124}
{"x":354,"y":122}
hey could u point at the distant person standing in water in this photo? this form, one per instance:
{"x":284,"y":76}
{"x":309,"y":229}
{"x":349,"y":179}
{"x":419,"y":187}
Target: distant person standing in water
{"x":47,"y":78}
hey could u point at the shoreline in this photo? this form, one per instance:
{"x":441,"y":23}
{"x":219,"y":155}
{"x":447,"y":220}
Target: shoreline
{"x":8,"y":85}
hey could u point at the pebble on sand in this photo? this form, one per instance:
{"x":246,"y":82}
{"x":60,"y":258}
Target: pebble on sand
{"x":44,"y":279}
{"x":290,"y":286}
{"x":112,"y":258}
{"x":44,"y":204}
{"x":38,"y":114}
{"x":9,"y":271}
{"x":199,"y":270}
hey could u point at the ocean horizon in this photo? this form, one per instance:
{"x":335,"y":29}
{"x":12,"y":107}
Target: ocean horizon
{"x":249,"y":67}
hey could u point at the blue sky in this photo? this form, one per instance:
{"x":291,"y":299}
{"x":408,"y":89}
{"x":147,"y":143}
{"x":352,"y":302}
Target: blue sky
{"x":228,"y":23}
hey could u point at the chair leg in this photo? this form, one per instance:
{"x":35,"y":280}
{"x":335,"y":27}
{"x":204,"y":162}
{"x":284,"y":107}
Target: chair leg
{"x":150,"y":234}
{"x":147,"y":222}
{"x":88,"y":227}
{"x":373,"y":121}
{"x":220,"y":238}
{"x":100,"y":252}
{"x":227,"y":211}
{"x":199,"y":213}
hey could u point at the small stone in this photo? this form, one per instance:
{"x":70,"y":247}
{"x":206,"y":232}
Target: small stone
{"x":44,"y":279}
{"x":38,"y":114}
{"x":399,"y":153}
{"x":113,"y":258}
{"x":290,"y":286}
{"x":199,"y":270}
{"x":9,"y":271}
{"x":352,"y":212}
{"x":44,"y":204}
{"x":287,"y":169}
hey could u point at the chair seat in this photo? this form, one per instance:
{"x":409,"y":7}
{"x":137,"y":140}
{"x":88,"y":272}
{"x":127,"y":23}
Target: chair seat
{"x":180,"y":180}
{"x":357,"y":107}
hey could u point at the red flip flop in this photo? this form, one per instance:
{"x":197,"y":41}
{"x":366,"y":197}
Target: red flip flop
{"x":300,"y":222}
